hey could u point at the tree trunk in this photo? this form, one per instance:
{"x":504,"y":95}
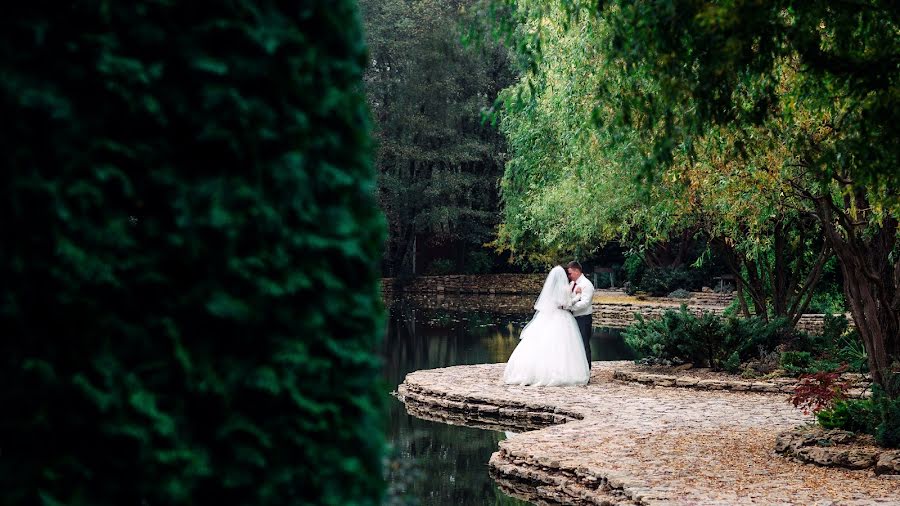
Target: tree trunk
{"x":755,"y":285}
{"x":671,"y":254}
{"x":414,"y":255}
{"x":740,"y":295}
{"x":779,"y":283}
{"x":871,"y":278}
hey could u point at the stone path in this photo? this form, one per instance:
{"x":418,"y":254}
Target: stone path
{"x":622,"y":443}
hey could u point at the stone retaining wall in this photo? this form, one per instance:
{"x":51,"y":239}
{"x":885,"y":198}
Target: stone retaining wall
{"x":546,"y":482}
{"x":622,"y":315}
{"x":472,"y":411}
{"x":474,"y":284}
{"x":837,"y":448}
{"x":711,"y":298}
{"x":814,"y":323}
{"x":460,"y":292}
{"x":503,"y":304}
{"x":858,"y":383}
{"x":387,"y":286}
{"x":520,"y":284}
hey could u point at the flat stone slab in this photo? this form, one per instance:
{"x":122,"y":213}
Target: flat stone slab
{"x":626,"y":443}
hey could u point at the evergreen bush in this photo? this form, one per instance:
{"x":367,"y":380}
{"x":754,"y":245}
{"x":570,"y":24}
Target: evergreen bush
{"x":713,"y":340}
{"x":887,"y":434}
{"x":878,"y":416}
{"x":189,"y":261}
{"x":796,"y":362}
{"x":855,"y":415}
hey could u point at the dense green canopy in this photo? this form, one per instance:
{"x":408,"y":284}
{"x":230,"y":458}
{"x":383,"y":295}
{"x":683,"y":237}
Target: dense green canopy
{"x":770,"y":127}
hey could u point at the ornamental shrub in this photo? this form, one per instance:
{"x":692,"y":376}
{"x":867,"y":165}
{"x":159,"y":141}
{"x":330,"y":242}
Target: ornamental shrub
{"x":855,"y":415}
{"x":819,"y":391}
{"x":189,"y":261}
{"x":887,"y":434}
{"x":878,"y":416}
{"x":796,"y":361}
{"x":712,"y":340}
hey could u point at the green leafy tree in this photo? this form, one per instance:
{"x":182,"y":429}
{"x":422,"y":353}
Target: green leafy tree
{"x":190,"y":256}
{"x":438,"y":163}
{"x":836,"y":114}
{"x":814,"y":84}
{"x":569,"y":185}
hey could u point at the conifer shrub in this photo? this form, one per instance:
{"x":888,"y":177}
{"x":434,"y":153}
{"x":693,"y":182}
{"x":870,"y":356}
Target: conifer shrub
{"x":189,"y":261}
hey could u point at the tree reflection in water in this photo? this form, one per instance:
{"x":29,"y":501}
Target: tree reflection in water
{"x":435,"y":463}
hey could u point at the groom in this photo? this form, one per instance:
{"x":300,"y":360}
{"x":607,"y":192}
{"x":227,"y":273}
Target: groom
{"x":582,"y":294}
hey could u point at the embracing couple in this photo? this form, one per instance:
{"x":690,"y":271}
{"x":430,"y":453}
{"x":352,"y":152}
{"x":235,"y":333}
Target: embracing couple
{"x":556,"y":344}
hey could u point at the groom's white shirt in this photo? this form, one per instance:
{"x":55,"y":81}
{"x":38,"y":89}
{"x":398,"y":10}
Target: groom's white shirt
{"x":581,"y":302}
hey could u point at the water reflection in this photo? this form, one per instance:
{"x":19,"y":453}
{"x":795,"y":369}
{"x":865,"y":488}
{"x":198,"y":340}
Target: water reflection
{"x":436,"y":463}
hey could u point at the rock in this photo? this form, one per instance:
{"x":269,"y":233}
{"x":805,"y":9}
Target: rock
{"x":835,"y":448}
{"x":684,"y":367}
{"x":763,"y":387}
{"x":862,"y":459}
{"x":836,"y":436}
{"x":714,"y":384}
{"x":784,"y":441}
{"x":821,"y":456}
{"x":686,"y":382}
{"x":888,"y":463}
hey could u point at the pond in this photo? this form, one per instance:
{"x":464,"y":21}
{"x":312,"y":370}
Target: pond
{"x":438,"y":464}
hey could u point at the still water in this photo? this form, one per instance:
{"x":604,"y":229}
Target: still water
{"x":439,"y":464}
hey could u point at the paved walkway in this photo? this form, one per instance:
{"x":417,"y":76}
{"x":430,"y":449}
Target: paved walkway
{"x":635,"y":444}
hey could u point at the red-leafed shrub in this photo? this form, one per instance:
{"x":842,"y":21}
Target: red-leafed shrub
{"x":820,"y":390}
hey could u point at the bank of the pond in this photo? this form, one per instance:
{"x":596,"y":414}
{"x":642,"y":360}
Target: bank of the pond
{"x":627,"y":443}
{"x":612,"y":308}
{"x":525,"y":284}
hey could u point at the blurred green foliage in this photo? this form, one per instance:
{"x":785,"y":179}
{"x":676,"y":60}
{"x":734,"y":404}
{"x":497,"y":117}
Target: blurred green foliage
{"x":189,"y":255}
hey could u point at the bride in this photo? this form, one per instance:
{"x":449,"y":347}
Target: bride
{"x":551,"y":352}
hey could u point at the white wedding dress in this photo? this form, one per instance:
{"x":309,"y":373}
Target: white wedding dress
{"x":551,"y":352}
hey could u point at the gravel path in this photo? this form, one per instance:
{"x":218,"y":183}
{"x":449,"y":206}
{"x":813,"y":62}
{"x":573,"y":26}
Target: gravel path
{"x":633,"y":444}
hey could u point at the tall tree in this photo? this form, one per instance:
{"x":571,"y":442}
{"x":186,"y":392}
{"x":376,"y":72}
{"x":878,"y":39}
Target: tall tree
{"x":438,"y":162}
{"x":189,"y":261}
{"x":838,"y":117}
{"x":569,"y":185}
{"x":818,"y":79}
